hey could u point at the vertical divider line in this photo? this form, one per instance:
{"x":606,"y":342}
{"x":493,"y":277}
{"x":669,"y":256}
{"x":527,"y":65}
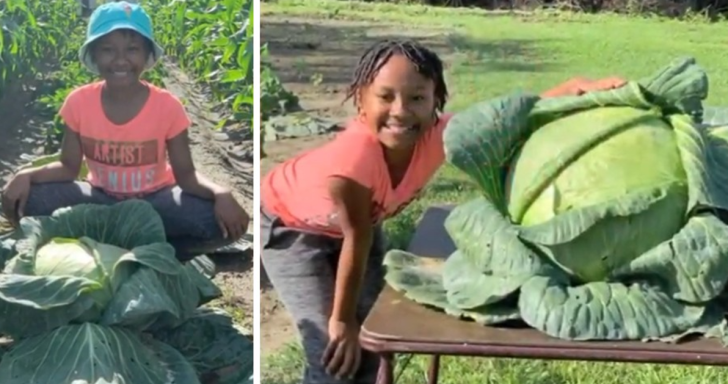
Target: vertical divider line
{"x":256,"y":193}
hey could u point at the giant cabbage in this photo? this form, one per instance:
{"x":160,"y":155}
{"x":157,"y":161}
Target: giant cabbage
{"x":94,"y":294}
{"x":598,"y":215}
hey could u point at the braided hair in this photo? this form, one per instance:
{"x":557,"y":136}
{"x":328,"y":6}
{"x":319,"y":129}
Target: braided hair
{"x":375,"y":57}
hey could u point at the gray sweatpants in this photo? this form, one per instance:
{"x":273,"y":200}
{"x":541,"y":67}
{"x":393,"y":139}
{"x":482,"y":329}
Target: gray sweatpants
{"x":302,"y":268}
{"x":189,"y":221}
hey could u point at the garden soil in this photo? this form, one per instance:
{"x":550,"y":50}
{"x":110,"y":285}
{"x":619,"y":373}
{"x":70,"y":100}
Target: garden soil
{"x":314,"y":59}
{"x":225,"y":157}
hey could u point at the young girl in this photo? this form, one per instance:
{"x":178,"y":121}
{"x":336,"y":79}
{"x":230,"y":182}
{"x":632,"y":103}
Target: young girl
{"x":322,"y":245}
{"x":125,"y":128}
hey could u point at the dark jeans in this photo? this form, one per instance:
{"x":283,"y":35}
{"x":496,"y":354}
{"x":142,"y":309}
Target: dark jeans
{"x":189,"y":221}
{"x":302,"y":268}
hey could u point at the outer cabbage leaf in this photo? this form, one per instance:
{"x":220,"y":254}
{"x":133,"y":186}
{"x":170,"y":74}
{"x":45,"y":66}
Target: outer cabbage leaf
{"x":7,"y":250}
{"x":553,"y":108}
{"x":420,"y":279}
{"x":127,"y":224}
{"x":491,"y":262}
{"x":603,"y":311}
{"x":715,"y":150}
{"x":149,"y":300}
{"x":140,"y":302}
{"x":693,"y":265}
{"x":481,"y":140}
{"x":712,"y":325}
{"x":89,"y":353}
{"x":206,"y":268}
{"x":591,"y":242}
{"x":33,"y":305}
{"x":704,"y":159}
{"x":212,"y":344}
{"x":679,"y":87}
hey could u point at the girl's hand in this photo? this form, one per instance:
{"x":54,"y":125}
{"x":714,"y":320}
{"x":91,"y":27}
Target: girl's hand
{"x":343,"y":353}
{"x":231,"y":217}
{"x":15,"y":195}
{"x":579,"y":86}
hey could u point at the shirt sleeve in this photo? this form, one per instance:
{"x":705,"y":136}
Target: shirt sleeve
{"x":179,"y":121}
{"x":69,"y":111}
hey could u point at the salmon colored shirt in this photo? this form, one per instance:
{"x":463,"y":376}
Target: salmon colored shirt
{"x":297,"y":190}
{"x":131,"y":159}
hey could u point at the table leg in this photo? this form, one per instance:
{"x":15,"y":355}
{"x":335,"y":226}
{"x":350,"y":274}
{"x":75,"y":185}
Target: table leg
{"x":434,"y":371}
{"x":386,"y":369}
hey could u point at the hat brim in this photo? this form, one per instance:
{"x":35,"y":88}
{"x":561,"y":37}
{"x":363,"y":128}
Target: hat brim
{"x":88,"y":62}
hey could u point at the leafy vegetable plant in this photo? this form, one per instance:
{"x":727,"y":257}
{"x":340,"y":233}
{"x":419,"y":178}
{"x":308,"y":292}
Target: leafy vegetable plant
{"x":94,"y":294}
{"x":598,"y":218}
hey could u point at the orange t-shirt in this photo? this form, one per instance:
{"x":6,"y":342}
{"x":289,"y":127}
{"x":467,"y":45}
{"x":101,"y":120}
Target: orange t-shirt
{"x":130,"y":159}
{"x":297,"y":190}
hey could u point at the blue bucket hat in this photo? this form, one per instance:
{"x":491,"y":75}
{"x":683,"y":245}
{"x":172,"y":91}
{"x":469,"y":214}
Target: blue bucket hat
{"x":113,"y":16}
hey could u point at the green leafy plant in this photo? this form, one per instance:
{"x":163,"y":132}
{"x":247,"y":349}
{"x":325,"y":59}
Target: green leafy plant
{"x":274,"y":97}
{"x":212,"y":40}
{"x":598,"y":218}
{"x":32,"y":32}
{"x":95,"y":294}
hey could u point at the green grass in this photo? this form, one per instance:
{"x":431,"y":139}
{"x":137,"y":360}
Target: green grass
{"x":500,"y":54}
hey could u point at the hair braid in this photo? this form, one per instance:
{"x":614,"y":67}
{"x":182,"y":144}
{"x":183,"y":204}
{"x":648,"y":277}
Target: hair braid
{"x":375,"y":57}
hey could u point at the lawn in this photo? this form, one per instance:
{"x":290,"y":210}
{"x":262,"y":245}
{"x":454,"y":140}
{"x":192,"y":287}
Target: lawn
{"x":490,"y":55}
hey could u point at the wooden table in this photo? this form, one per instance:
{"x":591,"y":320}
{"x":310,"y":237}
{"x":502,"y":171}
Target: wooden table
{"x":398,"y":325}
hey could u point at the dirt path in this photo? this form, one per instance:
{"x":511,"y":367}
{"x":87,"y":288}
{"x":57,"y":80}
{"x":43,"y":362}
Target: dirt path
{"x":23,"y":133}
{"x":235,"y":271}
{"x":314,"y":59}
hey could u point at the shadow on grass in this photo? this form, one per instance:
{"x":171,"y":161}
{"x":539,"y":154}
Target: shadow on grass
{"x":300,"y":49}
{"x":478,"y":56}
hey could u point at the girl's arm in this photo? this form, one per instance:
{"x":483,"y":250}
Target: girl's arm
{"x":184,"y":171}
{"x":353,"y":201}
{"x":66,"y":169}
{"x":579,"y":85}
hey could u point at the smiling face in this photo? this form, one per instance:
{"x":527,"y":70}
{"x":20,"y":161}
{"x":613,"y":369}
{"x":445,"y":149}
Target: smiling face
{"x":121,"y":57}
{"x":399,"y":104}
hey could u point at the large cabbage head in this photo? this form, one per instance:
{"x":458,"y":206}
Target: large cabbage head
{"x":613,"y":176}
{"x":82,"y":258}
{"x":597,"y":215}
{"x":95,"y":294}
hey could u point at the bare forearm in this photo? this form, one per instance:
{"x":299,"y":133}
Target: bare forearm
{"x":349,"y":277}
{"x":51,"y":173}
{"x":200,"y":186}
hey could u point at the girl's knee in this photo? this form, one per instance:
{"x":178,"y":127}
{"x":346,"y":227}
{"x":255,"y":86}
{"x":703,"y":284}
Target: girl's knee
{"x":45,"y":198}
{"x":184,"y":215}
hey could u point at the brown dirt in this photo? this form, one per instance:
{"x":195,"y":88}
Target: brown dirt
{"x":22,"y":133}
{"x":314,"y":59}
{"x":235,"y":271}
